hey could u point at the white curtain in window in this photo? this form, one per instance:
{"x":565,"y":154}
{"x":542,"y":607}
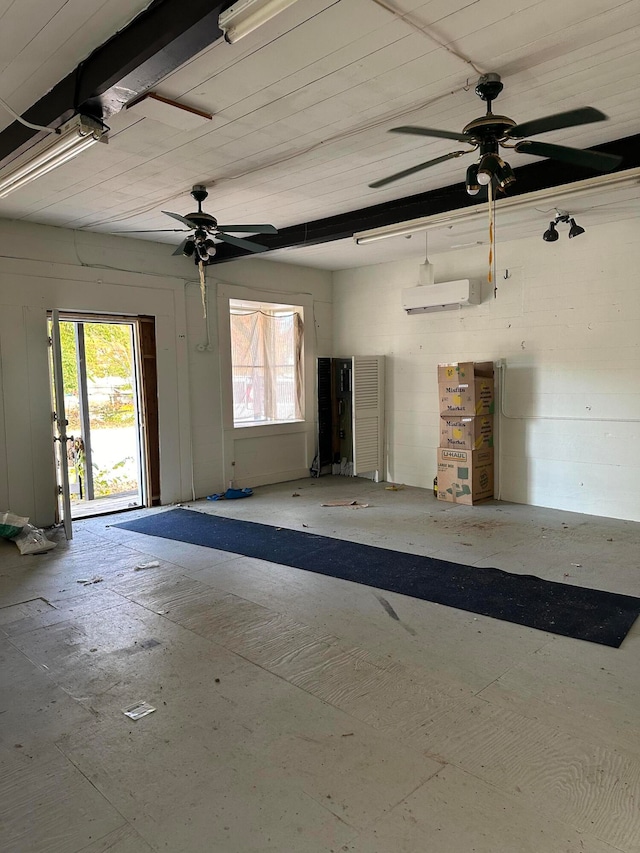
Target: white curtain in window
{"x":266,"y":357}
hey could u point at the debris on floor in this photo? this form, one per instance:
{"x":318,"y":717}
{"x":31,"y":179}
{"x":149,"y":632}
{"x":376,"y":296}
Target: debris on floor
{"x":89,"y":581}
{"x":393,"y":488}
{"x":296,"y":495}
{"x":389,"y":609}
{"x":231,"y":494}
{"x":153,"y":564}
{"x":11,"y":524}
{"x":138,"y":710}
{"x":354,"y":504}
{"x":31,"y":540}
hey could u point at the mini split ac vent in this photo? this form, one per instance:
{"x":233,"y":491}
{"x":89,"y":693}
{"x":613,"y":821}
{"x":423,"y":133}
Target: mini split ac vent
{"x":445,"y":296}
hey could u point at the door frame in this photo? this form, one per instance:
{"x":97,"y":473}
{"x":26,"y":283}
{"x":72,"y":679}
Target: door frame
{"x":146,"y":396}
{"x":59,"y":424}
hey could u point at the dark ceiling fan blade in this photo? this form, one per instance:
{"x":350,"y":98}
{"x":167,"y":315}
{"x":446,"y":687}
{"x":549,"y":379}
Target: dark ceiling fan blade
{"x":384,"y":181}
{"x":429,"y":131}
{"x":572,"y":118}
{"x":180,"y":249}
{"x":191,"y":225}
{"x":576,"y":156}
{"x":242,"y":244}
{"x":250,"y":229}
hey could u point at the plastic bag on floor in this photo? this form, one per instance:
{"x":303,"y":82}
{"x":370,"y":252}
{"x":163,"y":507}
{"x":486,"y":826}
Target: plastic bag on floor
{"x":231,"y":494}
{"x":31,"y":540}
{"x":11,"y":525}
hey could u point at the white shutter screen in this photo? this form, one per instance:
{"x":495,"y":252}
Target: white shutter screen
{"x":368,"y":414}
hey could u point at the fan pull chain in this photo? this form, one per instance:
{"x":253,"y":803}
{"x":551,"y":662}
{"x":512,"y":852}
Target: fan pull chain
{"x":491,"y":240}
{"x":203,"y":292}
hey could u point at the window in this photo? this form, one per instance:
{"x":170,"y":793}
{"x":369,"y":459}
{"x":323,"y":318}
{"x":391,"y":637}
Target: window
{"x":266,"y":361}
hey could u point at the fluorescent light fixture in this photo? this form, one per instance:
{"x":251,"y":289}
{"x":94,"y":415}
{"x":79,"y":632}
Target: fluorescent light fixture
{"x":245,"y":16}
{"x":74,"y":137}
{"x":479,"y":211}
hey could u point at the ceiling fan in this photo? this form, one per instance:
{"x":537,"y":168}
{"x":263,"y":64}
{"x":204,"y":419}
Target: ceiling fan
{"x":201,"y":243}
{"x":491,"y":132}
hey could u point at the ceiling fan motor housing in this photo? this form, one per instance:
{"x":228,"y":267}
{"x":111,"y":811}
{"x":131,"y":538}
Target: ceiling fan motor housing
{"x":199,"y":193}
{"x":489,"y":86}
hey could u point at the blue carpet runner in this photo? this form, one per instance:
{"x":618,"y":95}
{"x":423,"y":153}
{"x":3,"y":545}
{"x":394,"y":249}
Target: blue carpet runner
{"x":584,"y":614}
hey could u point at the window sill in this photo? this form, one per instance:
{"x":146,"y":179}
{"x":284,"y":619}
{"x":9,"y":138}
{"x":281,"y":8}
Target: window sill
{"x":249,"y":430}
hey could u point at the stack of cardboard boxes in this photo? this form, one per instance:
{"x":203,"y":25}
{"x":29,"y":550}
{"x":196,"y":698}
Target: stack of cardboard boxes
{"x":465,"y":455}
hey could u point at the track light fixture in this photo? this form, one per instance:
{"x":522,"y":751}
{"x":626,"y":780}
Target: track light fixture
{"x":575,"y":229}
{"x":551,"y":234}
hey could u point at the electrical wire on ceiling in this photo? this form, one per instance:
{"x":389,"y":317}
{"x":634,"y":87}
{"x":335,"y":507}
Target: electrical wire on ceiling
{"x":23,"y":121}
{"x":346,"y":134}
{"x":338,"y":137}
{"x":138,"y":211}
{"x":428,"y":32}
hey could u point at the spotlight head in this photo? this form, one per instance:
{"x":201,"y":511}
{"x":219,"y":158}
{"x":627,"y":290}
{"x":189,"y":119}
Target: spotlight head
{"x":210,"y":246}
{"x":575,"y":230}
{"x":551,"y":234}
{"x":201,"y":249}
{"x":189,"y":248}
{"x":471,"y":182}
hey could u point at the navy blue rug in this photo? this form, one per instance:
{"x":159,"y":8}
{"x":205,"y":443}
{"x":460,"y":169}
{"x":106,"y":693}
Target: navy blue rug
{"x":585,"y":614}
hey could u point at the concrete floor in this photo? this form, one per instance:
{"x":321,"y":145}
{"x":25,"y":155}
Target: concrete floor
{"x":293,"y":714}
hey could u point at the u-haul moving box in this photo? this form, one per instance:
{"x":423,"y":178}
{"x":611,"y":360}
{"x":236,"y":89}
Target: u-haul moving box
{"x":466,"y":433}
{"x":465,"y":476}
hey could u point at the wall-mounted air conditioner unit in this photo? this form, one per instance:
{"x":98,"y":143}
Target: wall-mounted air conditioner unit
{"x":440,"y":297}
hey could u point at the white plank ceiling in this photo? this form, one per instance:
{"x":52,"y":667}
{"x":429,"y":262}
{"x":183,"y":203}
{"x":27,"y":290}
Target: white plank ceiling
{"x":301,"y":107}
{"x":41,"y":41}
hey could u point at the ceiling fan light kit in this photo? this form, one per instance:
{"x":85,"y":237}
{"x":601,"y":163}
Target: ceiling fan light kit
{"x":245,"y":16}
{"x":200,"y":245}
{"x":471,"y":181}
{"x":71,"y":139}
{"x":488,"y":133}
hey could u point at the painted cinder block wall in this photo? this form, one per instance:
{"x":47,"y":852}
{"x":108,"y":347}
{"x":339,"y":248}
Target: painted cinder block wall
{"x":567,"y":321}
{"x":42,"y":268}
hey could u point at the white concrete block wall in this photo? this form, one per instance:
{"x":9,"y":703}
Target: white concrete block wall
{"x":567,"y":320}
{"x":42,"y":268}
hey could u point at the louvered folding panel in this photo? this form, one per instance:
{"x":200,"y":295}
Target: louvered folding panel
{"x":368,"y":415}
